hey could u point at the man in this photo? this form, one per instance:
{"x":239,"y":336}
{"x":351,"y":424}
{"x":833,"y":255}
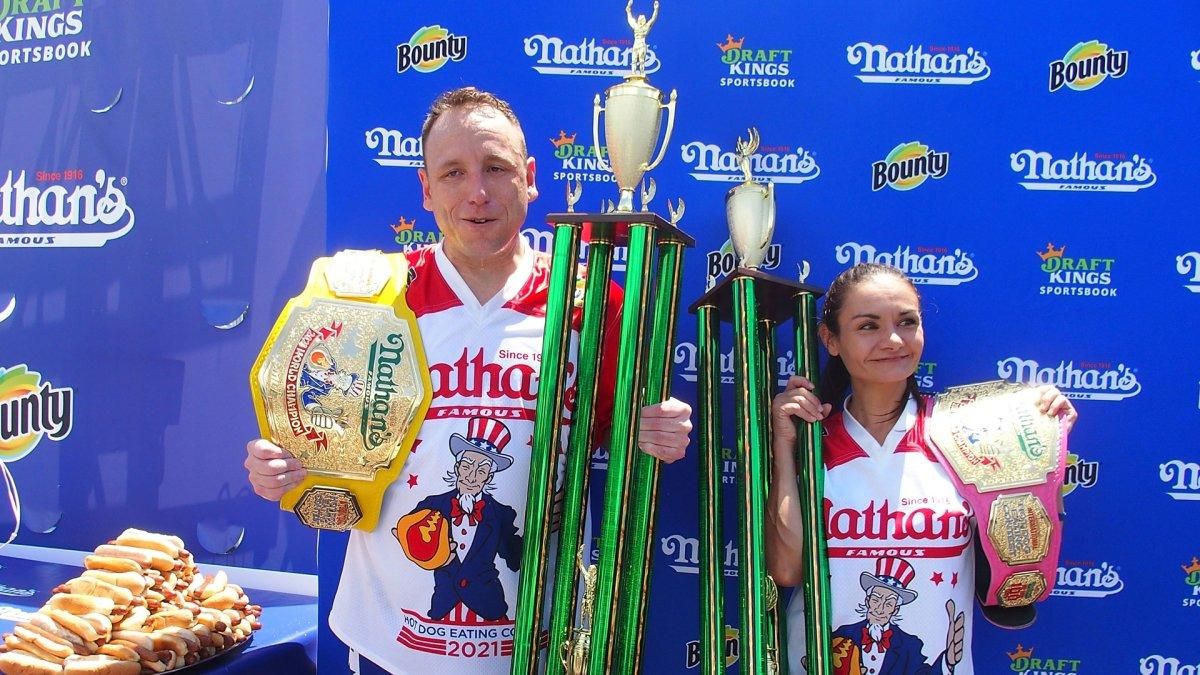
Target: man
{"x":479,"y":297}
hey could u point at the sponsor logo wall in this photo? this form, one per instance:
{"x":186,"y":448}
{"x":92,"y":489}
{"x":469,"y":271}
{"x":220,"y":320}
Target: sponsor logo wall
{"x":956,"y":151}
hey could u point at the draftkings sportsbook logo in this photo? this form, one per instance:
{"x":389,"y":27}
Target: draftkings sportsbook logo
{"x":63,"y":208}
{"x":30,"y":410}
{"x":395,"y":149}
{"x":1157,"y":664}
{"x":409,"y":237}
{"x":933,"y":265}
{"x":1023,"y":661}
{"x":1097,"y":172}
{"x":1086,"y":65}
{"x":1192,"y":579}
{"x":907,"y":166}
{"x":430,"y":48}
{"x":579,"y":160}
{"x":924,"y":375}
{"x":1088,"y":381}
{"x":1182,"y":479}
{"x":732,"y":649}
{"x":1076,"y":276}
{"x":936,"y":64}
{"x":37,"y":31}
{"x":1087,"y":579}
{"x":751,"y":67}
{"x":1188,"y":265}
{"x":589,"y":56}
{"x":777,"y":163}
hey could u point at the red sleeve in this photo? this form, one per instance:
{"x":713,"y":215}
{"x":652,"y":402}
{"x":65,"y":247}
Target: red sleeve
{"x":607,"y":377}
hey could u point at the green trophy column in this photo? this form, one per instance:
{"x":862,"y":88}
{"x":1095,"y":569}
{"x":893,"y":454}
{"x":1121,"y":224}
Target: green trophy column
{"x":712,"y":575}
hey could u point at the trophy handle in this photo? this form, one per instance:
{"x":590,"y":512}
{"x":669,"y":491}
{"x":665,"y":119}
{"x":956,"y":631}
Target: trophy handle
{"x":662,"y":149}
{"x":768,"y":228}
{"x":596,"y":110}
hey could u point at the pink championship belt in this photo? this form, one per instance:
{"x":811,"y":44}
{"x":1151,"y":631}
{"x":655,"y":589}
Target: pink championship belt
{"x":1007,"y":459}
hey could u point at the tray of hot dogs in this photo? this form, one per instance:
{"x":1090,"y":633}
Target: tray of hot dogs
{"x":141,"y":606}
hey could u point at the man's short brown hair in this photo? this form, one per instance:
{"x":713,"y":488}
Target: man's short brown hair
{"x":469,"y":97}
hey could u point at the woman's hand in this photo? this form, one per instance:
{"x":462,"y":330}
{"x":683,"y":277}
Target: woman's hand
{"x":1052,"y":402}
{"x":796,"y":400}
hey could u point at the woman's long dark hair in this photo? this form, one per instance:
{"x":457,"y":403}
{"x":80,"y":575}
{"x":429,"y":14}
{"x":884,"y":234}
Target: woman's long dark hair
{"x":835,"y":379}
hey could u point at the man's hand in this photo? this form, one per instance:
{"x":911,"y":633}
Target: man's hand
{"x":273,"y":470}
{"x":954,"y":636}
{"x":663,"y":429}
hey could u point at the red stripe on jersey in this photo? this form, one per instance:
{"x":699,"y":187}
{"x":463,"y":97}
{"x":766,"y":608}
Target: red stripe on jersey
{"x":429,"y":291}
{"x":915,"y":439}
{"x":839,"y":446}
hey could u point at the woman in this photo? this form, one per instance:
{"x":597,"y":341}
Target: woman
{"x":900,"y":537}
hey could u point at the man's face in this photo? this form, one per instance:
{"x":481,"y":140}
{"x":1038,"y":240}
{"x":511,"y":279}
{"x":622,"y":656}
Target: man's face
{"x":477,"y":182}
{"x":474,"y":471}
{"x":882,"y":604}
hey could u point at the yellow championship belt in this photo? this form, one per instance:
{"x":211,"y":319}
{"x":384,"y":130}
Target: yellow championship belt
{"x":342,"y":384}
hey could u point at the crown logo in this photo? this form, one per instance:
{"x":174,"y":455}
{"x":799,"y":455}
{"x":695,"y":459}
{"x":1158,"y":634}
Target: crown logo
{"x":730,"y":43}
{"x":1052,"y":252}
{"x":563,"y":139}
{"x":1193,"y":568}
{"x":403,"y":225}
{"x":1021,"y":653}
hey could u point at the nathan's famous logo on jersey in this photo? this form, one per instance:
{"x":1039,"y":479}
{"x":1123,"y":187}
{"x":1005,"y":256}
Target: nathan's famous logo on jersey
{"x":1079,"y":473}
{"x":542,"y":241}
{"x":732,"y":649}
{"x":684,"y":555}
{"x":933,"y":265}
{"x":1089,"y":380}
{"x":1087,"y":579}
{"x":1182,"y":479}
{"x":1076,"y":276}
{"x":1083,"y":172}
{"x":776,"y":163}
{"x":37,"y":31}
{"x":588,"y":56}
{"x":935,"y":64}
{"x":31,"y":409}
{"x":63,"y":208}
{"x":1157,"y":664}
{"x":1188,"y":265}
{"x":1191,"y":577}
{"x":1086,"y":65}
{"x":393,"y":148}
{"x":430,"y":48}
{"x":753,"y":66}
{"x":580,"y":162}
{"x":724,"y":260}
{"x":907,"y":166}
{"x":1024,"y":661}
{"x":473,"y":379}
{"x":409,"y":237}
{"x":924,"y":375}
{"x":687,"y":363}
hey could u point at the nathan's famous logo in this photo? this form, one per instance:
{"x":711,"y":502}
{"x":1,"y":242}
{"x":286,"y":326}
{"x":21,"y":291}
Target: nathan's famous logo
{"x":579,"y":160}
{"x":1023,"y":661}
{"x":429,"y":49}
{"x":1079,"y":473}
{"x":687,"y":363}
{"x":1090,"y":380}
{"x":396,"y":149}
{"x":937,"y":64}
{"x":723,"y":261}
{"x":61,"y":208}
{"x":907,"y":166}
{"x":410,"y":238}
{"x":31,"y":409}
{"x":589,"y":56}
{"x":1188,"y":265}
{"x":732,"y":649}
{"x":924,"y":375}
{"x":1097,"y":172}
{"x":776,"y":163}
{"x":1192,"y":579}
{"x":1086,"y":65}
{"x":1196,"y":60}
{"x":35,"y":31}
{"x":684,"y":553}
{"x":542,"y":241}
{"x":1087,"y":579}
{"x":934,"y":265}
{"x":750,"y":67}
{"x":1076,"y":276}
{"x":1182,"y":479}
{"x":1157,"y":664}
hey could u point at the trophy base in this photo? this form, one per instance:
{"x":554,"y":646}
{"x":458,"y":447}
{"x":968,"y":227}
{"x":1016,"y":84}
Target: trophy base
{"x":622,"y":223}
{"x":776,"y":295}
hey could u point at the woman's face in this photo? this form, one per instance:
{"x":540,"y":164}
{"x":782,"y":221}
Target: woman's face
{"x":880,"y":337}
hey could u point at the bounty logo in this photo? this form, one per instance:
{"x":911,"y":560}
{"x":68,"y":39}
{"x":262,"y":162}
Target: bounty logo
{"x":409,"y":238}
{"x":31,"y":409}
{"x":1076,"y":276}
{"x":777,"y":163}
{"x":60,"y":209}
{"x":907,"y":166}
{"x":1182,"y":479}
{"x":591,"y":57}
{"x":1192,"y":579}
{"x":1079,"y":473}
{"x":1086,"y":65}
{"x":429,"y":49}
{"x":1099,"y":172}
{"x":724,"y":261}
{"x":732,"y":649}
{"x":754,"y":67}
{"x":688,"y":365}
{"x":1089,"y":381}
{"x":684,"y":553}
{"x":933,"y":265}
{"x":580,"y":161}
{"x":38,"y":31}
{"x":917,"y":65}
{"x":1188,"y":265}
{"x":1087,"y":579}
{"x":1157,"y":664}
{"x":1024,"y":662}
{"x":396,"y":149}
